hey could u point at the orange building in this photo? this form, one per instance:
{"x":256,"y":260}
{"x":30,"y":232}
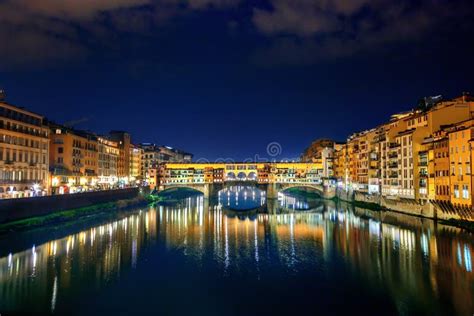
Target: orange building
{"x":73,"y":159}
{"x":441,"y":166}
{"x":123,"y":161}
{"x":108,"y":161}
{"x":460,"y":160}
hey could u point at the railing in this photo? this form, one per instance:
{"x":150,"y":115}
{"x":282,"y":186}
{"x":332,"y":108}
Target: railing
{"x":16,"y":181}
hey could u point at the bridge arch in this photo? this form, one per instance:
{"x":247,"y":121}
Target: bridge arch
{"x":241,"y":176}
{"x":314,"y":187}
{"x":252,"y":176}
{"x":204,"y":189}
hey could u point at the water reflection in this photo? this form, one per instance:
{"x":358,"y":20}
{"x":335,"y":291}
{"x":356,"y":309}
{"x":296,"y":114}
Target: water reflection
{"x":238,"y":197}
{"x":419,"y":265}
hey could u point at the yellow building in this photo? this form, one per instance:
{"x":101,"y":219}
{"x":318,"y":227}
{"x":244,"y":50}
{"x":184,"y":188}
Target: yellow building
{"x":108,"y":161}
{"x":460,"y":159}
{"x":123,"y":161}
{"x":341,"y":170}
{"x":363,"y":161}
{"x":405,"y":137}
{"x":24,"y":147}
{"x":73,"y":160}
{"x":135,"y":168}
{"x":441,"y":166}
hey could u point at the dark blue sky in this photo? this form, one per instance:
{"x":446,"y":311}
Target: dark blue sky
{"x":223,"y":78}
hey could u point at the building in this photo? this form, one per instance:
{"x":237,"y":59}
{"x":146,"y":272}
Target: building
{"x":153,"y":155}
{"x":123,"y":162}
{"x":24,"y":151}
{"x":73,"y":160}
{"x":341,"y":161}
{"x":315,"y":150}
{"x":460,"y":161}
{"x":404,"y":146}
{"x":363,"y":161}
{"x":108,"y":163}
{"x":136,"y":154}
{"x":441,"y":166}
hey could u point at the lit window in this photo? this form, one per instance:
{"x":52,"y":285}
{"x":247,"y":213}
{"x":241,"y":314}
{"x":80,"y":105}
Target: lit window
{"x":465,"y":192}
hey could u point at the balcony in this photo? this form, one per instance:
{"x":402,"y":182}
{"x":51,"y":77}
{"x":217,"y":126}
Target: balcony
{"x":423,"y":163}
{"x":423,"y":175}
{"x":393,"y":165}
{"x":393,"y":175}
{"x":393,"y":145}
{"x":393,"y":155}
{"x":16,"y":181}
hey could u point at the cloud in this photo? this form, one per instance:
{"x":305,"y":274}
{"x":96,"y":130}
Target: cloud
{"x":309,"y":31}
{"x":75,"y":9}
{"x":50,"y":32}
{"x":300,"y":17}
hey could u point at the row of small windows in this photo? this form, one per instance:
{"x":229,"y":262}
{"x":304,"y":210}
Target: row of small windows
{"x":463,"y":148}
{"x":19,"y":116}
{"x":465,"y":191}
{"x":419,"y":120}
{"x":20,"y":141}
{"x":460,"y":170}
{"x":12,"y":155}
{"x":454,"y":136}
{"x":23,"y":129}
{"x":442,"y":189}
{"x":22,"y":175}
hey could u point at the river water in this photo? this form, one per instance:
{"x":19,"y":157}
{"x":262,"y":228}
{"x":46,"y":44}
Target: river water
{"x":194,"y":256}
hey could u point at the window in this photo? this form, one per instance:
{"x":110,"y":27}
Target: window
{"x":456,"y":191}
{"x":60,"y":150}
{"x":465,"y":191}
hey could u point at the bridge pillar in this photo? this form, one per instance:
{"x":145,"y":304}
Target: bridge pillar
{"x":329,"y":192}
{"x":272,"y":191}
{"x":272,"y":206}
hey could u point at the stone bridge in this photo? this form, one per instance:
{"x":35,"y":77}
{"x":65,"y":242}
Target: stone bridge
{"x":272,"y":189}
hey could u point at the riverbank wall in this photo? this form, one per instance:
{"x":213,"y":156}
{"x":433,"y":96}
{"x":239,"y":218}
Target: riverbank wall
{"x":428,"y":209}
{"x":17,"y":209}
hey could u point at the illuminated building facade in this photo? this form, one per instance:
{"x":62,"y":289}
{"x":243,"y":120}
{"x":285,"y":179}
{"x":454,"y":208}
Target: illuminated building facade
{"x":24,"y":147}
{"x":136,"y":154}
{"x":123,"y":161}
{"x":153,"y":155}
{"x":108,"y":162}
{"x":460,"y":162}
{"x":73,"y":159}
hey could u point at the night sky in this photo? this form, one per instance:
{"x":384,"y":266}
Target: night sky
{"x":223,"y":78}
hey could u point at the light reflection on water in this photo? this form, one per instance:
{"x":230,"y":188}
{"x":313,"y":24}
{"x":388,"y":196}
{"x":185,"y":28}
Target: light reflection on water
{"x":419,"y":266}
